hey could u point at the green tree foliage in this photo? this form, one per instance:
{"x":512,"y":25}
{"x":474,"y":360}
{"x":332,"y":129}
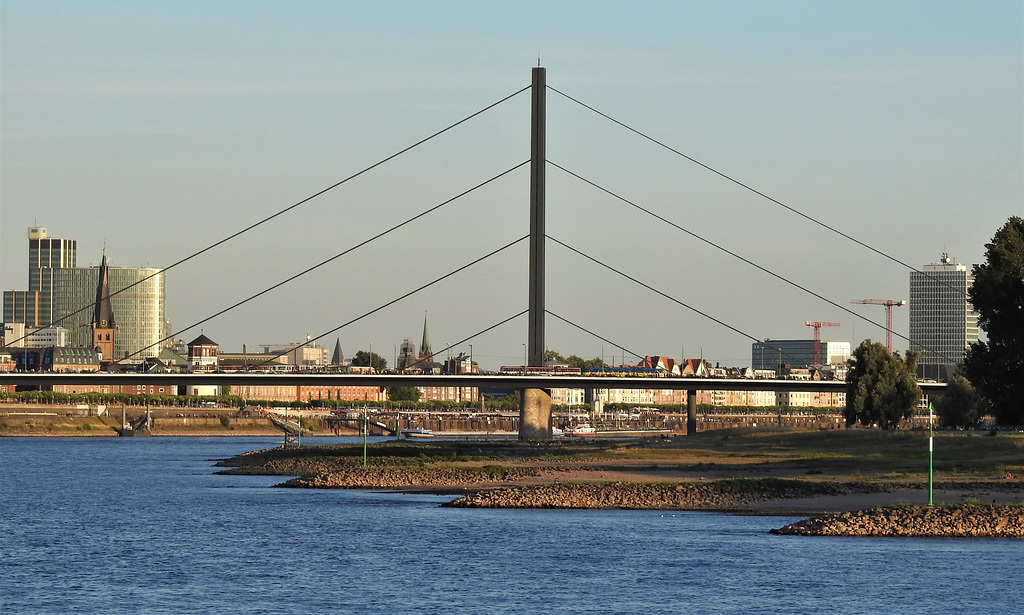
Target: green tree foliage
{"x":508,"y":402}
{"x":403,"y":394}
{"x":996,"y":367}
{"x":572,"y":360}
{"x":576,"y":361}
{"x":552,"y":355}
{"x":370,"y":359}
{"x":960,"y":406}
{"x":881,"y":386}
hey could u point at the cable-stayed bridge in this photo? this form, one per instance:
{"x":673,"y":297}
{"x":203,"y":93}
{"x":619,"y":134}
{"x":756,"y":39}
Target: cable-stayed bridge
{"x":536,"y":404}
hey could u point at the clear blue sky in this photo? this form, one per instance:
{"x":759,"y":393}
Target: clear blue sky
{"x":159,"y":128}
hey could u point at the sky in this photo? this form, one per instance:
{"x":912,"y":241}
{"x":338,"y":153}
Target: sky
{"x":156,"y":129}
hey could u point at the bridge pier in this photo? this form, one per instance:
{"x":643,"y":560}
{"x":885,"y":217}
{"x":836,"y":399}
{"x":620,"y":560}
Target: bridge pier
{"x":691,"y":412}
{"x":535,"y":414}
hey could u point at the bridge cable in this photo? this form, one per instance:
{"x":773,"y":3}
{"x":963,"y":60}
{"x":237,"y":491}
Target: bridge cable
{"x":757,"y":192}
{"x":737,"y":256}
{"x":589,"y":332}
{"x":287,"y":209}
{"x":333,"y":258}
{"x":669,"y":297}
{"x":396,"y":300}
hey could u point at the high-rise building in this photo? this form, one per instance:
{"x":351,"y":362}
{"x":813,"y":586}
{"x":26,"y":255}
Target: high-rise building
{"x":138,"y":311}
{"x":60,"y":292}
{"x":46,"y":255}
{"x":943,"y":322}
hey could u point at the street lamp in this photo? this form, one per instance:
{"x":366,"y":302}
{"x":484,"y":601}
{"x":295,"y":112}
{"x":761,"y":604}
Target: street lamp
{"x":471,"y":358}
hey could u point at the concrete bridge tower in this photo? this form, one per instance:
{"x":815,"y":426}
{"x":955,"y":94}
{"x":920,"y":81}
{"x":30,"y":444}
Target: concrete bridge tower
{"x":535,"y":404}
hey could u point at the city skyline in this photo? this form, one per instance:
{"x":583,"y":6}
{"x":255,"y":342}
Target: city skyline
{"x":904,"y":133}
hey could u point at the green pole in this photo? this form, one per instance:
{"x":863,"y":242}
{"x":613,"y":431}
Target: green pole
{"x":364,"y":435}
{"x":931,"y":448}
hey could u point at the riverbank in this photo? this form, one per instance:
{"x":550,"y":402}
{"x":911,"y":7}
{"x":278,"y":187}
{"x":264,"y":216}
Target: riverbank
{"x":784,"y":473}
{"x":964,"y":521}
{"x":61,"y":425}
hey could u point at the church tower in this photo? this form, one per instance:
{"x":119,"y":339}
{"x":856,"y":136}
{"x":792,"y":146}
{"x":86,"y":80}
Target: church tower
{"x":426,"y":355}
{"x":103,"y":317}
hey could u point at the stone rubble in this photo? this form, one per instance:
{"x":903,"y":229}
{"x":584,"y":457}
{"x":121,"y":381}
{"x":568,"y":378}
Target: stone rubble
{"x":991,"y":521}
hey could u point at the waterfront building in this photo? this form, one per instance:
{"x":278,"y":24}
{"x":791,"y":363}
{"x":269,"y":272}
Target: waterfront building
{"x":233,"y":362}
{"x":797,"y":354}
{"x":568,"y":397}
{"x":137,"y":304}
{"x":665,"y":365}
{"x":695,"y":368}
{"x":406,"y":355}
{"x":22,"y":306}
{"x":461,"y":364}
{"x":456,"y":395}
{"x":943,"y":322}
{"x":55,"y":359}
{"x":364,"y":393}
{"x":7,"y":364}
{"x":62,"y":294}
{"x":302,"y":355}
{"x":202,"y":357}
{"x":18,"y":335}
{"x":46,"y":256}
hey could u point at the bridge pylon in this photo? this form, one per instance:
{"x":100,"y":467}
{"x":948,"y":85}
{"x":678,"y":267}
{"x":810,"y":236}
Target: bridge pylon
{"x":535,"y":404}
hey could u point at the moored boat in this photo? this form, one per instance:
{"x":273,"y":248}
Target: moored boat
{"x":418,"y":433}
{"x":581,"y":430}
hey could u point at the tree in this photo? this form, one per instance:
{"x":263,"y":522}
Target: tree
{"x":403,"y":394}
{"x":881,"y":386}
{"x":370,"y":359}
{"x":576,"y":361}
{"x":960,"y":406}
{"x":995,"y":367}
{"x":552,"y":355}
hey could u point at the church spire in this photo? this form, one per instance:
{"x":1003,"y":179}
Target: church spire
{"x":426,"y":354}
{"x":103,"y":315}
{"x":338,"y":357}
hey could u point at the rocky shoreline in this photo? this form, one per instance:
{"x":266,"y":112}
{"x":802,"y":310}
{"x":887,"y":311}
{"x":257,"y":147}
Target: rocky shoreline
{"x":970,"y":520}
{"x":727,"y":495}
{"x":720,"y":476}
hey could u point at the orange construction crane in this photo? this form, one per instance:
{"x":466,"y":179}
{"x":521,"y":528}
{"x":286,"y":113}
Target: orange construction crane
{"x":888,"y":303}
{"x":817,"y":337}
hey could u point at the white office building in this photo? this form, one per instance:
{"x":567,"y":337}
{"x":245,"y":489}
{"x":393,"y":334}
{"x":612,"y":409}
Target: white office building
{"x":943,"y":322}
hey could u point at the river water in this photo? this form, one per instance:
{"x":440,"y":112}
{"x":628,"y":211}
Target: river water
{"x":143,"y":525}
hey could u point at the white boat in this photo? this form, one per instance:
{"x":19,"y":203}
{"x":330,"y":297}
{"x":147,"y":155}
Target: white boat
{"x":418,"y":433}
{"x":581,"y":430}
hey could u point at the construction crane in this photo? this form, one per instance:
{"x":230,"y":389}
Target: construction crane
{"x":817,"y":337}
{"x":889,"y":304}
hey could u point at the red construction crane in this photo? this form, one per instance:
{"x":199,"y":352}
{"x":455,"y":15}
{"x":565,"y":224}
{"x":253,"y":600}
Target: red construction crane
{"x":817,"y":337}
{"x":888,"y":303}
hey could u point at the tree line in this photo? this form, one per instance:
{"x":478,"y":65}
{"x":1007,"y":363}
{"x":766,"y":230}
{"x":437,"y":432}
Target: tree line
{"x":881,"y":387}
